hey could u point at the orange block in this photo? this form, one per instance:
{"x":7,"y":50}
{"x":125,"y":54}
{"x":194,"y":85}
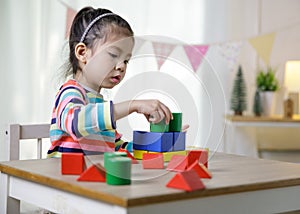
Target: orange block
{"x":133,"y":160}
{"x":153,"y":161}
{"x":200,"y":154}
{"x":200,"y":169}
{"x":72,"y":163}
{"x":178,"y":163}
{"x":93,"y":173}
{"x":187,"y":180}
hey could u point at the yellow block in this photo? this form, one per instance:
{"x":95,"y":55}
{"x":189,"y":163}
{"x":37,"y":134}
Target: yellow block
{"x":138,"y":154}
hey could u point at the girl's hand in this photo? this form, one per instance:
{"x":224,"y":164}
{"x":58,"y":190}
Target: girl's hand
{"x":185,"y":127}
{"x":154,"y":110}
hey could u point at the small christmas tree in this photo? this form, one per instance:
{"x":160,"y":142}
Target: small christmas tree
{"x":238,"y":96}
{"x":257,"y":107}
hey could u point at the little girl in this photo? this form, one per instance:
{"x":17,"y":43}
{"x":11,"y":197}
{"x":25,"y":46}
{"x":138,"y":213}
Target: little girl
{"x":101,"y":44}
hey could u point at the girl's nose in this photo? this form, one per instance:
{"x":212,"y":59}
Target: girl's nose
{"x":121,"y":66}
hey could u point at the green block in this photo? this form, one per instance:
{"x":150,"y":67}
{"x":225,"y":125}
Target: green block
{"x":175,"y":125}
{"x":118,"y":171}
{"x":159,"y":127}
{"x":113,"y":154}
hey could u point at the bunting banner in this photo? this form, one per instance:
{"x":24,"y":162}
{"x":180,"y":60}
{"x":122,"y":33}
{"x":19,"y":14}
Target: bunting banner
{"x":71,"y":13}
{"x":230,"y":52}
{"x":263,"y":46}
{"x":162,"y":51}
{"x":195,"y":54}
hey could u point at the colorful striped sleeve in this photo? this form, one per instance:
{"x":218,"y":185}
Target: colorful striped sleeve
{"x":79,"y":118}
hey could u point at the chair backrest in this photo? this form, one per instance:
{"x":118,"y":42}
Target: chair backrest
{"x":17,"y":132}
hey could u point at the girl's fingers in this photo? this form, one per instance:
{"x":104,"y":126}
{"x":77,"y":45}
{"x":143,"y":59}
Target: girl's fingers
{"x":185,"y":128}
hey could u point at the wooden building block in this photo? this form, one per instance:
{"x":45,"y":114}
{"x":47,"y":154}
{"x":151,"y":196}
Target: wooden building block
{"x":200,"y":154}
{"x":200,"y":169}
{"x":108,"y":155}
{"x":178,"y":163}
{"x":153,"y":161}
{"x":72,"y":163}
{"x":138,"y":154}
{"x":187,"y":180}
{"x":93,"y":173}
{"x":118,"y":171}
{"x":179,"y":141}
{"x":129,"y":155}
{"x":175,"y":125}
{"x":153,"y":141}
{"x":159,"y":127}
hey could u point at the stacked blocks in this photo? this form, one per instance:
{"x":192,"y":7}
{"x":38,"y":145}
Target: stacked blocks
{"x":162,"y":138}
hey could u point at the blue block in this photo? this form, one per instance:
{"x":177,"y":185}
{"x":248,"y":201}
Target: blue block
{"x":153,"y":141}
{"x":178,"y":141}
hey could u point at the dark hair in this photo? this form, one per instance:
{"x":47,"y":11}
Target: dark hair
{"x":112,"y":24}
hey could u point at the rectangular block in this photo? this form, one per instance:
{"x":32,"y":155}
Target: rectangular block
{"x":153,"y":141}
{"x":138,"y":154}
{"x":179,"y":141}
{"x":159,"y":127}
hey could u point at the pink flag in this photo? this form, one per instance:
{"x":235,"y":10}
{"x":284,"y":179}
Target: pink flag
{"x":162,"y":52}
{"x":195,"y":54}
{"x":69,"y":19}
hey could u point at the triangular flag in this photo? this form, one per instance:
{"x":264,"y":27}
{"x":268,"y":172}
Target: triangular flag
{"x":93,"y":173}
{"x":195,"y":54}
{"x":178,"y":163}
{"x":69,"y":19}
{"x":200,"y":169}
{"x":187,"y":181}
{"x":162,"y":51}
{"x":138,"y":43}
{"x":230,"y":52}
{"x":263,"y":45}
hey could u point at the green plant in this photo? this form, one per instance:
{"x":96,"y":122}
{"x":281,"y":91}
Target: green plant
{"x":266,"y":81}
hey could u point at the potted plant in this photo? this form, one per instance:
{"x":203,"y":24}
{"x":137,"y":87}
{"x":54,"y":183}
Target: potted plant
{"x":267,"y":84}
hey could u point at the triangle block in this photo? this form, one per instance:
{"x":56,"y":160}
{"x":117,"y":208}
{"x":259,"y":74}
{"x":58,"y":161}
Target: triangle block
{"x":133,"y":160}
{"x":153,"y":161}
{"x":177,"y":163}
{"x":187,"y":180}
{"x":200,"y":169}
{"x":93,"y":173}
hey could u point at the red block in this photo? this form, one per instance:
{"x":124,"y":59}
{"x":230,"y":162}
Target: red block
{"x":72,"y":163}
{"x":153,"y":161}
{"x":187,"y":180}
{"x":200,"y":169}
{"x":93,"y":173}
{"x":200,"y":154}
{"x":178,"y":163}
{"x":133,"y":160}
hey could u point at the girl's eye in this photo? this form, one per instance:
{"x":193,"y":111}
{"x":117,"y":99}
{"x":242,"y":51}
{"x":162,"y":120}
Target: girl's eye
{"x":126,"y":62}
{"x":113,"y":55}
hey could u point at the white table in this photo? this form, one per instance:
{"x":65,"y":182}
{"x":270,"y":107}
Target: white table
{"x":239,"y":185}
{"x":241,"y":141}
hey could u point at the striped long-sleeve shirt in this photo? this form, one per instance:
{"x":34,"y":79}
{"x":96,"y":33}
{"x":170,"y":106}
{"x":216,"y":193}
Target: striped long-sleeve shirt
{"x":81,"y":122}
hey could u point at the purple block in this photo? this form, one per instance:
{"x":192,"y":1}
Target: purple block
{"x":153,"y":141}
{"x":178,"y":141}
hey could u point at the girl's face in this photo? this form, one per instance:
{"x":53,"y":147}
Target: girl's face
{"x":106,"y":63}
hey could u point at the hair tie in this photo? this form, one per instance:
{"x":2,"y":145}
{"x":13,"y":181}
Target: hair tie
{"x":92,"y":23}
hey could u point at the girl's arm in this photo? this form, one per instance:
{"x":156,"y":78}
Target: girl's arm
{"x":154,"y":110}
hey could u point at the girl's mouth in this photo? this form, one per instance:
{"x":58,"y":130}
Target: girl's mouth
{"x":116,"y":79}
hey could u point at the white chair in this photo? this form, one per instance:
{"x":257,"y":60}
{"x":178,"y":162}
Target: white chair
{"x":17,"y":132}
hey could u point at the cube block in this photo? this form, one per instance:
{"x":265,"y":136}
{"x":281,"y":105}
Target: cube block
{"x":72,"y":163}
